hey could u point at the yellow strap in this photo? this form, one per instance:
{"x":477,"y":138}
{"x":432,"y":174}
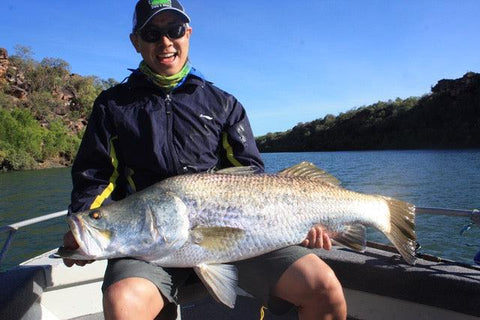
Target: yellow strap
{"x":262,"y":312}
{"x":111,"y":186}
{"x":229,"y":150}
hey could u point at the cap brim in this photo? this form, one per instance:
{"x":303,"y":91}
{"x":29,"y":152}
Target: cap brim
{"x":180,"y":13}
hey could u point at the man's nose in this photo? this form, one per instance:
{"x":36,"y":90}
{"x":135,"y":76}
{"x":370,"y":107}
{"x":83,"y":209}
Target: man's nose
{"x":165,"y":40}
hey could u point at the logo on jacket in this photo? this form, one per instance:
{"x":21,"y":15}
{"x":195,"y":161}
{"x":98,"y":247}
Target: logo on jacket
{"x":205,"y":117}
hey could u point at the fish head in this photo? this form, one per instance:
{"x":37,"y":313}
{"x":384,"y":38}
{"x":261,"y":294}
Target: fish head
{"x":93,"y":233}
{"x":144,"y":226}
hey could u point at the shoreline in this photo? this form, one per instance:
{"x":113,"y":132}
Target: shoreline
{"x":59,"y":163}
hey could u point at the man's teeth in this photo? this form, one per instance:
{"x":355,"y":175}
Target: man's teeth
{"x":166,"y":55}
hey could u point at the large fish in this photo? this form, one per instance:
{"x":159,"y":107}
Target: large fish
{"x":209,"y":219}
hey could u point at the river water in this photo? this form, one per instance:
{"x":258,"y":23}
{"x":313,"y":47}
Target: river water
{"x":445,"y":179}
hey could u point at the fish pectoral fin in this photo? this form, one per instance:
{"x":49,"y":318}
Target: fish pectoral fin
{"x":353,"y":237}
{"x":309,"y":170}
{"x":220,"y":280}
{"x":216,"y":238}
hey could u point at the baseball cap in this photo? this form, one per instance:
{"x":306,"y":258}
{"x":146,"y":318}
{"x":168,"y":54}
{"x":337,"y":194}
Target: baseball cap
{"x":145,"y":10}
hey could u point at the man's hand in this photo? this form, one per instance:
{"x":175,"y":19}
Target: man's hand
{"x":317,"y":238}
{"x":70,"y":243}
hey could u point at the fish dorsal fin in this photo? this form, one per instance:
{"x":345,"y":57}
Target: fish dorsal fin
{"x":353,"y":237}
{"x":216,"y":238}
{"x":309,"y":170}
{"x":238,"y":170}
{"x":220,"y":280}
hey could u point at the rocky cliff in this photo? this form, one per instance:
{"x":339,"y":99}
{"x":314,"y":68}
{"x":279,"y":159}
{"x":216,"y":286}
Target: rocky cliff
{"x":43,"y":110}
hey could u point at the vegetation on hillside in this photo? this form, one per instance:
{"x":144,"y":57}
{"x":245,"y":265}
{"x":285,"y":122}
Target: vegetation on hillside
{"x":449,"y":117}
{"x":43,"y":110}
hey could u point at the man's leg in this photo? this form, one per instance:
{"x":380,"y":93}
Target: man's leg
{"x":311,"y":284}
{"x":132,"y":298}
{"x":134,"y":289}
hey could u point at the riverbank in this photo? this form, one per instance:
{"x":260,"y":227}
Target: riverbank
{"x":446,"y":118}
{"x":44,"y":111}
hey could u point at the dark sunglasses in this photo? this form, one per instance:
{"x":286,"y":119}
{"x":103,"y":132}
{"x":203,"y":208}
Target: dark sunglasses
{"x":154,"y":34}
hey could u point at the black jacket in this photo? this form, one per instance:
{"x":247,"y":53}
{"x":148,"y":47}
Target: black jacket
{"x":138,"y":135}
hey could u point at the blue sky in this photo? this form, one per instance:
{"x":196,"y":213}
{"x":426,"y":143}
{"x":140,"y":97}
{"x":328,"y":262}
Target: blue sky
{"x":286,"y":61}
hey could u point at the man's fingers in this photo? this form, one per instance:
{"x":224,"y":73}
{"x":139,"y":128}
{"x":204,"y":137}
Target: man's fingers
{"x":318,"y":237}
{"x":69,"y":242}
{"x":80,"y":263}
{"x":327,"y":242}
{"x":68,"y":262}
{"x":312,"y":238}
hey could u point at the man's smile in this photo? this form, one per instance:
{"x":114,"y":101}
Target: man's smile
{"x":167,"y":57}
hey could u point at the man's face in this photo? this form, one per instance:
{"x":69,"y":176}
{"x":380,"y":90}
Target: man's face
{"x":166,"y":56}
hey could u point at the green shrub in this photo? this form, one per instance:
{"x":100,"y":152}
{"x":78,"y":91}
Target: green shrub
{"x":58,"y":142}
{"x":42,"y":104}
{"x":33,"y":129}
{"x":19,"y":129}
{"x":86,"y":90}
{"x":12,"y":158}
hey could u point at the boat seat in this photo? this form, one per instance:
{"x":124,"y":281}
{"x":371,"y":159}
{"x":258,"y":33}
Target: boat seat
{"x":19,"y":301}
{"x":441,"y":283}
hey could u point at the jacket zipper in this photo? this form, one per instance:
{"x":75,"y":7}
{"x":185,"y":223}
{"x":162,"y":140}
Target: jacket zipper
{"x":173,"y":158}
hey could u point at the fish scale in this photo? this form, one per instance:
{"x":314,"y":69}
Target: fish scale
{"x":275,"y":212}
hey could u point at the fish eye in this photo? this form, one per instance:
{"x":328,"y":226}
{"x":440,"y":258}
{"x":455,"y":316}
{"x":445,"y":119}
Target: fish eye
{"x":95,"y":215}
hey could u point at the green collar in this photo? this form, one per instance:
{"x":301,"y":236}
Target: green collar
{"x":165,"y":82}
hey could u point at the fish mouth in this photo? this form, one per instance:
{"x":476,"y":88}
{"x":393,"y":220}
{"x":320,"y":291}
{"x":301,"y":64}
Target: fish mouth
{"x":76,"y":226}
{"x":91,"y":240}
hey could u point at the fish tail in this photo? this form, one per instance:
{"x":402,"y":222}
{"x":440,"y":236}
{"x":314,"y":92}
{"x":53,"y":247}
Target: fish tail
{"x":402,"y":228}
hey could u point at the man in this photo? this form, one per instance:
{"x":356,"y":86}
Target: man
{"x":167,"y":120}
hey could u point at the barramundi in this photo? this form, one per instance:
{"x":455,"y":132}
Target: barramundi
{"x":207,"y":220}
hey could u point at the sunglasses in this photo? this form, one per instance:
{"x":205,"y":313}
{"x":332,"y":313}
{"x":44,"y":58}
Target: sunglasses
{"x":154,"y":34}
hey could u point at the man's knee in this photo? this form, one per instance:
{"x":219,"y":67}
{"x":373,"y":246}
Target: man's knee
{"x":320,"y":281}
{"x":130,"y":297}
{"x":325,"y":291}
{"x":313,"y":286}
{"x":329,"y":291}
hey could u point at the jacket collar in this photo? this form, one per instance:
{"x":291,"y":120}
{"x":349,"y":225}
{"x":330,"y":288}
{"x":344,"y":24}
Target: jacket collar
{"x":137,"y":79}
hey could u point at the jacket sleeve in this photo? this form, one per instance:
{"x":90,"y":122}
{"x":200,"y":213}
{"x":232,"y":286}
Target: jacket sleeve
{"x":238,"y":142}
{"x":94,"y":168}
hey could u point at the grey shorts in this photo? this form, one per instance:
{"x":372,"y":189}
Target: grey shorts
{"x":257,"y":276}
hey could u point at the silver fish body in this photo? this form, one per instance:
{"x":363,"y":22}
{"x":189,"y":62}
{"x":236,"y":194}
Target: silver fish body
{"x":206,"y":220}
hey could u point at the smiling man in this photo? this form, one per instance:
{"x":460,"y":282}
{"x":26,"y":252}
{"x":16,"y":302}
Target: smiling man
{"x":162,"y":40}
{"x":166,"y":120}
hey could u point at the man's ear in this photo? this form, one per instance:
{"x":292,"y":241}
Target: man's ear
{"x":135,"y":41}
{"x":189,"y":32}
